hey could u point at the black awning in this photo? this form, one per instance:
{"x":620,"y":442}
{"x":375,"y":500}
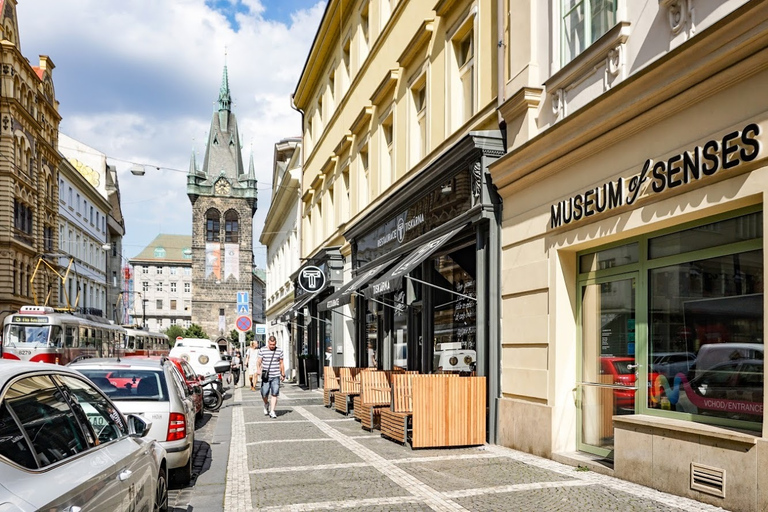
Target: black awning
{"x":392,"y":280}
{"x":343,"y":295}
{"x":303,"y":301}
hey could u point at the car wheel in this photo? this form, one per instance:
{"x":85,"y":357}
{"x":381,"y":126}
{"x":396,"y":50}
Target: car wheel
{"x":161,"y":494}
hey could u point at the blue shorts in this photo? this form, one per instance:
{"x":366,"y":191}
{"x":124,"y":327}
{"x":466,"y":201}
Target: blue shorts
{"x":271,"y":387}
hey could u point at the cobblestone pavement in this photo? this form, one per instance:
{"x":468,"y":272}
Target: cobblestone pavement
{"x":313,"y":458}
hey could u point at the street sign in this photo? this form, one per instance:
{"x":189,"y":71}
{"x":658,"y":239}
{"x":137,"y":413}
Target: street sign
{"x":243,"y":309}
{"x":243,"y":298}
{"x":260,"y":329}
{"x":243,"y":323}
{"x":311,"y":279}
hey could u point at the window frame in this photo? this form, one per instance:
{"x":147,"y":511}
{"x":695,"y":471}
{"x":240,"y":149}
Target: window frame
{"x":589,"y":37}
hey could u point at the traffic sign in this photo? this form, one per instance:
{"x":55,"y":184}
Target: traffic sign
{"x":260,"y":329}
{"x":243,"y":323}
{"x":243,"y":298}
{"x":243,"y":309}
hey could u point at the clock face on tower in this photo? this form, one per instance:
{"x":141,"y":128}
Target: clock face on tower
{"x":222,"y":187}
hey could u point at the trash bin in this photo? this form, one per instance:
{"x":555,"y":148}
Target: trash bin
{"x":311,"y":380}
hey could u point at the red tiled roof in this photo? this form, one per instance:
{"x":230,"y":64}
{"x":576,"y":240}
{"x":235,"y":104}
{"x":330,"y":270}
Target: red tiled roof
{"x":38,"y":70}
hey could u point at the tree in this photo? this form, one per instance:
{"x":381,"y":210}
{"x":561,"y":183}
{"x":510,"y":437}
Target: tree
{"x":174,"y":332}
{"x":195,"y":331}
{"x":234,"y":337}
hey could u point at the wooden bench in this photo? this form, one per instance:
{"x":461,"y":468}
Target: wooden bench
{"x":438,"y":410}
{"x":330,"y":384}
{"x":395,"y":421}
{"x":349,"y":387}
{"x":375,"y":394}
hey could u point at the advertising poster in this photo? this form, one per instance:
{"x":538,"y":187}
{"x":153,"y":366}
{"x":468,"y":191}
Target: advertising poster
{"x":213,"y":260}
{"x":231,"y":260}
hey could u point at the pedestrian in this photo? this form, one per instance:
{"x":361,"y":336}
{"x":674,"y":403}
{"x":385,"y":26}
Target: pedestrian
{"x":251,"y":363}
{"x":272,"y":372}
{"x":236,"y":367}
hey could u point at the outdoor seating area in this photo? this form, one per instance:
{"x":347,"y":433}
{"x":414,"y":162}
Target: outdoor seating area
{"x":427,"y":411}
{"x":330,"y":384}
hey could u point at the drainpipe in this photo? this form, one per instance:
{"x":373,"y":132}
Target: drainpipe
{"x":294,"y":350}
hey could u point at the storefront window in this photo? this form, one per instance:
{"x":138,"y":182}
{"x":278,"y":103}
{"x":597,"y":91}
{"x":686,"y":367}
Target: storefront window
{"x":706,"y":337}
{"x":372,"y":326}
{"x":400,"y":330}
{"x":455,"y":346}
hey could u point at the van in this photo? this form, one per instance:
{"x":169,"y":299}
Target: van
{"x":201,"y":354}
{"x":713,"y":354}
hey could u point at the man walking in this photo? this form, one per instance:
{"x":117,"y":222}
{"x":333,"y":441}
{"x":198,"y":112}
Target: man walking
{"x":272,"y":372}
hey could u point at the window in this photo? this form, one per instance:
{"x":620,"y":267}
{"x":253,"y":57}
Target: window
{"x":584,"y":21}
{"x":187,"y":271}
{"x":159,"y":286}
{"x":187,"y":287}
{"x":91,"y":215}
{"x":145,"y":269}
{"x":173,"y":305}
{"x":345,"y":62}
{"x":106,"y":422}
{"x":174,"y":270}
{"x":212,"y":226}
{"x":145,"y":286}
{"x":363,"y":175}
{"x":39,"y":408}
{"x":463,"y":81}
{"x":231,"y":227}
{"x":173,"y":320}
{"x":77,"y":207}
{"x":386,"y":152}
{"x":365,"y":33}
{"x":418,"y":125}
{"x":159,"y":253}
{"x":159,"y":304}
{"x":173,"y":287}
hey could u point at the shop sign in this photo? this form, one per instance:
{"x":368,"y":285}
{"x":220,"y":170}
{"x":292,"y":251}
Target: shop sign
{"x":311,"y":279}
{"x":678,"y":170}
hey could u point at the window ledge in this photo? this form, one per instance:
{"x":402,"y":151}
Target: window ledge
{"x":630,"y":421}
{"x":589,"y":58}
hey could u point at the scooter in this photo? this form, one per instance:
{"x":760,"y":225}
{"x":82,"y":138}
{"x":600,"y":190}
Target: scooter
{"x":212,"y":397}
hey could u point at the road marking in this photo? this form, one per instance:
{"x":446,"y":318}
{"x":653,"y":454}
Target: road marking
{"x":420,"y":490}
{"x":237,"y":492}
{"x":272,"y":441}
{"x":465,"y":493}
{"x":311,"y":468}
{"x":273,"y":422}
{"x":335,"y":505}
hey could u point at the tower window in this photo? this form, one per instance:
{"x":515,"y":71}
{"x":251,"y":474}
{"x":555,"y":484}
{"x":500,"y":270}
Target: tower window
{"x":231,"y":227}
{"x":212,"y":226}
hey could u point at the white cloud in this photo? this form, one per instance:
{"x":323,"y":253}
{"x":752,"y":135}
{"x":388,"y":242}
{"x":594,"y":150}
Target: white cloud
{"x":138,"y":81}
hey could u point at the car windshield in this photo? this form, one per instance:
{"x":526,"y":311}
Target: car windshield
{"x":129,"y":384}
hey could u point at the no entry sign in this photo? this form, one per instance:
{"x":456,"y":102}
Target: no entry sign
{"x":243,"y":323}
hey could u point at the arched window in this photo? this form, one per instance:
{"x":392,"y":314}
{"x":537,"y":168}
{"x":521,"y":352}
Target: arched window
{"x":212,"y":226}
{"x":231,"y":227}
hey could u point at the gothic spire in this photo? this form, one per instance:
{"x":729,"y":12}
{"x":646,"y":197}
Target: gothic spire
{"x":225,"y":100}
{"x":192,"y":163}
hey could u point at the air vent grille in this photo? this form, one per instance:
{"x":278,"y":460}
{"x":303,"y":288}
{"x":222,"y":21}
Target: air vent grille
{"x":708,"y":480}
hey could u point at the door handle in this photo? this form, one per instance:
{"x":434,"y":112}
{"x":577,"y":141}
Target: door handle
{"x":632,"y":366}
{"x":124,"y":475}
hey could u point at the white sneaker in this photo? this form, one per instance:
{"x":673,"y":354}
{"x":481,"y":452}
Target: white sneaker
{"x":272,"y":414}
{"x":266,"y":411}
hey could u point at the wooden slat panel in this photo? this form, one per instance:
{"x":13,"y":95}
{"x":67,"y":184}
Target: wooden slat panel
{"x":448,"y":410}
{"x":330,"y":378}
{"x":374,"y":388}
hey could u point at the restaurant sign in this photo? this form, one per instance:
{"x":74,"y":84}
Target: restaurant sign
{"x":715,"y":155}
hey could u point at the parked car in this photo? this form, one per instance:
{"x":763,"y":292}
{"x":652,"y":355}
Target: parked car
{"x":713,"y":354}
{"x":622,"y":369}
{"x":201,"y":354}
{"x":65,"y":446}
{"x":732,"y":390}
{"x":192,"y":380}
{"x":155,"y":389}
{"x":670,"y":364}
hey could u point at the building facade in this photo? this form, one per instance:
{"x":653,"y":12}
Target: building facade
{"x":633,"y":250}
{"x":400,"y":126}
{"x":28,"y":171}
{"x":281,"y":238}
{"x":160,"y":292}
{"x":223,"y":200}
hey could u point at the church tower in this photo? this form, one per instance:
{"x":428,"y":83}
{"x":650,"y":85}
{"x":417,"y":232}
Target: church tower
{"x":223,"y":200}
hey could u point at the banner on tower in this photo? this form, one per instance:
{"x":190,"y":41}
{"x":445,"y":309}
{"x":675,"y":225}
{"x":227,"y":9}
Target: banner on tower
{"x":213,"y":260}
{"x":231,"y":261}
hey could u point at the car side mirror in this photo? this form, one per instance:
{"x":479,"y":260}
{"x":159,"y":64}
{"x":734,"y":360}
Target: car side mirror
{"x":138,"y":426}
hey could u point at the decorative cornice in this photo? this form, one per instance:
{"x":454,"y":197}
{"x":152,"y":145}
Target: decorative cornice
{"x":362,"y":119}
{"x":418,"y":43}
{"x":386,"y":88}
{"x":523,"y":100}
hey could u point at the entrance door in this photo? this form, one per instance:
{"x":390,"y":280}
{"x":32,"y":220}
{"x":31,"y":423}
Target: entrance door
{"x":608,"y":370}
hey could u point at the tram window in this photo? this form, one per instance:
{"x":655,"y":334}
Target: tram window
{"x":70,"y":340}
{"x":139,"y":343}
{"x":56,"y":340}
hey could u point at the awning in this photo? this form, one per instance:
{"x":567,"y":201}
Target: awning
{"x":303,"y":301}
{"x":392,"y":280}
{"x":343,"y":295}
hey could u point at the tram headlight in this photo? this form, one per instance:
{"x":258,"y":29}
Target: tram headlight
{"x":467,"y":360}
{"x":453,"y":360}
{"x":203,"y":359}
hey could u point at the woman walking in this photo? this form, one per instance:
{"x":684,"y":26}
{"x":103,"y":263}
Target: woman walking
{"x":251,"y":356}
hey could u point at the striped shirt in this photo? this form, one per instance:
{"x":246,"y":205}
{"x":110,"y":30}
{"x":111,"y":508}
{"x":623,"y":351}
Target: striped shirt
{"x":270,"y":360}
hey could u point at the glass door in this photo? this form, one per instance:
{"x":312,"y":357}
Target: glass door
{"x":608,"y":372}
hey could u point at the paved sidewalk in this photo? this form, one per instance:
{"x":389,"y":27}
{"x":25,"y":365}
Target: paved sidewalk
{"x":313,"y":458}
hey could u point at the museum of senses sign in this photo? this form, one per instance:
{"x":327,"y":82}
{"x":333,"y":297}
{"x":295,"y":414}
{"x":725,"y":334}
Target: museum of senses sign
{"x":733,"y":149}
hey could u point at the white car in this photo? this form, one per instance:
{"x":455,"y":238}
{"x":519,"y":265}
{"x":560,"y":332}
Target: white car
{"x":201,"y":354}
{"x":65,"y":446}
{"x":155,"y":389}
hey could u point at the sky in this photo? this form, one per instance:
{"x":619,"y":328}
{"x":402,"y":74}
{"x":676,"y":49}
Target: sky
{"x":138,"y":81}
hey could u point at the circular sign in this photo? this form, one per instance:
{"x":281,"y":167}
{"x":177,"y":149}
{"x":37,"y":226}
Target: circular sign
{"x":311,"y":279}
{"x":243,"y":323}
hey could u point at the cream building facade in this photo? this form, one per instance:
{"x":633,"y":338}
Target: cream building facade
{"x":399,"y":105}
{"x":281,"y":237}
{"x":632,"y":240}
